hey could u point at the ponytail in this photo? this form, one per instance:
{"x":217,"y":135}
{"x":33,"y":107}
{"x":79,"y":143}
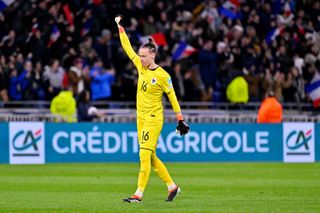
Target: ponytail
{"x":150,"y":45}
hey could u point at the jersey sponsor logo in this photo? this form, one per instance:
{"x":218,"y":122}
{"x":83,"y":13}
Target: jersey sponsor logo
{"x":153,"y":81}
{"x":170,"y":83}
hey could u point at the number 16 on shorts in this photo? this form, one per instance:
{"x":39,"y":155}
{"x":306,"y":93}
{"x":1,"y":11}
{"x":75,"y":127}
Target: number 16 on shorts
{"x":145,"y":136}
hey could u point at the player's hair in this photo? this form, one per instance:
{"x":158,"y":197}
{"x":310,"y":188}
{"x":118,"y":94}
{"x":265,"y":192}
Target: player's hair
{"x":150,"y":45}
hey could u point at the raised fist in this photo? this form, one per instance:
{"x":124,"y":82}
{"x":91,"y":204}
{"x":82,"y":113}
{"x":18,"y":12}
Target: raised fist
{"x":118,"y":19}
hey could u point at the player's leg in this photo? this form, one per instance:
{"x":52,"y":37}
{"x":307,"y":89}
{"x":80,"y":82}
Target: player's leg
{"x":157,"y":164}
{"x":161,"y":170}
{"x":147,"y":140}
{"x":137,"y":197}
{"x":164,"y":174}
{"x":144,"y":173}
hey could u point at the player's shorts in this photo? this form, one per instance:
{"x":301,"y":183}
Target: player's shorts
{"x":148,"y":133}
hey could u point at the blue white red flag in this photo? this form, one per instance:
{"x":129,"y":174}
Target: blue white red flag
{"x":5,"y":3}
{"x":182,"y":50}
{"x":313,"y":90}
{"x":230,"y":9}
{"x":272,"y":35}
{"x":158,"y":38}
{"x":55,"y":34}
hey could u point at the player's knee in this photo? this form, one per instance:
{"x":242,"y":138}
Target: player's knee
{"x":145,"y":160}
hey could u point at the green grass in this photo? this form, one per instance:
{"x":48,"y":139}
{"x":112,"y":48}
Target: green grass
{"x":206,"y":187}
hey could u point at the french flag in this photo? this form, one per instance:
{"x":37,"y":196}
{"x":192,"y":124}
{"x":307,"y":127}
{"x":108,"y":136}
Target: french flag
{"x":158,"y":38}
{"x":55,"y":34}
{"x":313,"y":90}
{"x":230,"y":8}
{"x":182,"y":50}
{"x":273,"y":34}
{"x":35,"y":28}
{"x":5,"y":3}
{"x":287,"y":9}
{"x":68,"y":14}
{"x":231,"y":4}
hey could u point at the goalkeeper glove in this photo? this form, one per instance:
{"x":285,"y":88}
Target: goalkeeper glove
{"x":182,"y":127}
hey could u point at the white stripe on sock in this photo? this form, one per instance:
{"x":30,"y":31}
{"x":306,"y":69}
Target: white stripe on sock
{"x":172,"y":187}
{"x":138,"y":193}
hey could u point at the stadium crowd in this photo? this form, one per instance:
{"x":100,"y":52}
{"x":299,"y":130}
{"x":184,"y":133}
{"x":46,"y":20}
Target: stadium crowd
{"x":47,"y":46}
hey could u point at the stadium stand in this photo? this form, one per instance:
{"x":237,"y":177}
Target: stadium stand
{"x":46,"y":45}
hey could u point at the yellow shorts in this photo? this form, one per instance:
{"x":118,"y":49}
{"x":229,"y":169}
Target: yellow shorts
{"x":148,"y":133}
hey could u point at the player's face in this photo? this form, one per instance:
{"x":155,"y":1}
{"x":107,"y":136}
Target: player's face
{"x":146,"y":56}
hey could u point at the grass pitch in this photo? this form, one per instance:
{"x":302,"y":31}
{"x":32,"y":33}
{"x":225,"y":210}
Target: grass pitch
{"x":206,"y":187}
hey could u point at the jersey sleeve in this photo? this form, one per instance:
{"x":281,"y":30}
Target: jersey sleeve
{"x":126,"y":45}
{"x":167,"y":87}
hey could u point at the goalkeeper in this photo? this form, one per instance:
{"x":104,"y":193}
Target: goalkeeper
{"x":153,"y":81}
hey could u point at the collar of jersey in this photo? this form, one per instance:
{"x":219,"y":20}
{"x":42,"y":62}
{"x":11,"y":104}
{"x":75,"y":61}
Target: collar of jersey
{"x":154,"y":68}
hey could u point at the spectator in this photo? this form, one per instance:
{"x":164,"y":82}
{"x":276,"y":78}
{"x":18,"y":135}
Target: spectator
{"x":53,"y":77}
{"x":15,"y":93}
{"x":253,"y":80}
{"x":270,"y":110}
{"x":208,"y":65}
{"x":36,"y":86}
{"x":35,"y":45}
{"x":194,"y":88}
{"x":3,"y":85}
{"x":86,"y":50}
{"x":237,"y":90}
{"x":25,"y":81}
{"x":128,"y":82}
{"x":7,"y":44}
{"x":76,"y":76}
{"x":64,"y":105}
{"x":101,"y":81}
{"x":177,"y":77}
{"x":268,"y":35}
{"x":103,"y":47}
{"x":149,"y":26}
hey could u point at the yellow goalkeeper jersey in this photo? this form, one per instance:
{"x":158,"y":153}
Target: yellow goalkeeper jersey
{"x":151,"y":85}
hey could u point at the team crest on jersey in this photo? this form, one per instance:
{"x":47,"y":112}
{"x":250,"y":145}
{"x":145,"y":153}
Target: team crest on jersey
{"x":153,"y":81}
{"x":170,"y":83}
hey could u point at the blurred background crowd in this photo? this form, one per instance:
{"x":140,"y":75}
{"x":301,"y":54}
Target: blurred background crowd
{"x":48,"y":46}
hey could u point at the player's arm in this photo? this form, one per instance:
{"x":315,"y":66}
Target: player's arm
{"x":182,"y":127}
{"x":167,"y":87}
{"x":125,"y":42}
